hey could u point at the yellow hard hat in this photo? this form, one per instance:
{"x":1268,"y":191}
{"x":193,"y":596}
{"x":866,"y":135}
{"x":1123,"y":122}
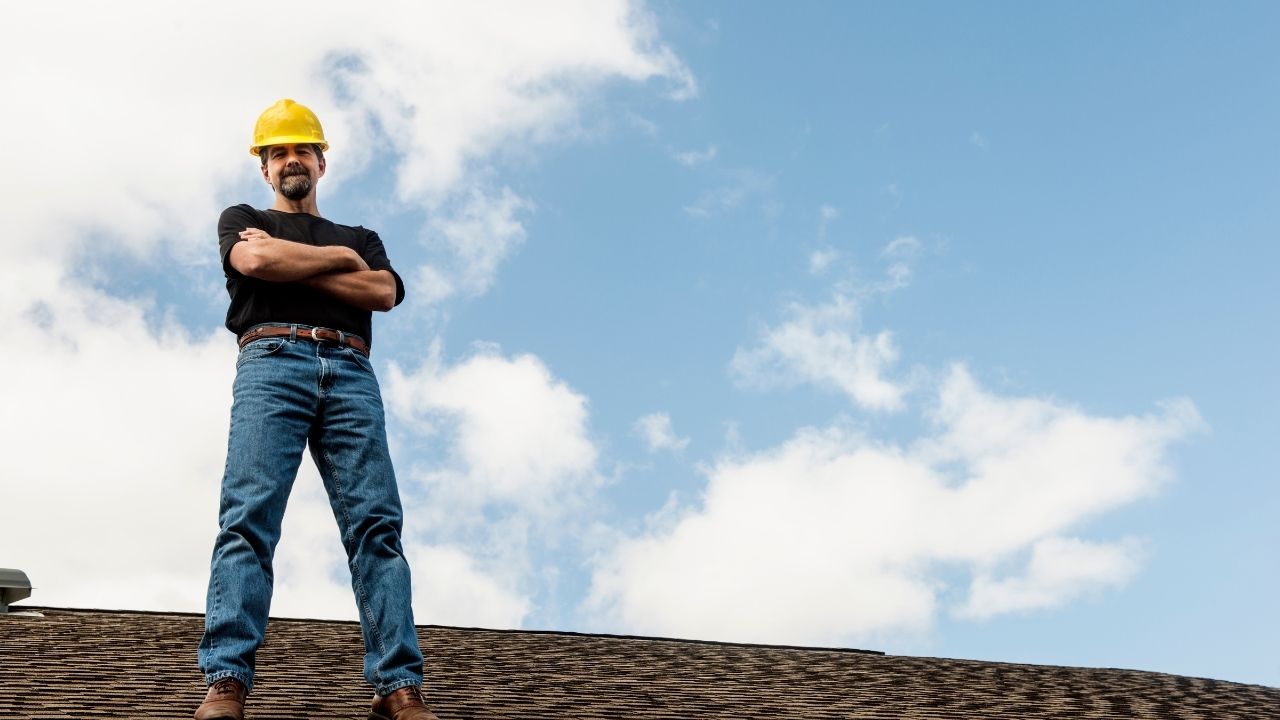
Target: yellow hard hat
{"x":287,"y":123}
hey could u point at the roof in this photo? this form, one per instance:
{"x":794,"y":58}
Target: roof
{"x":110,"y":664}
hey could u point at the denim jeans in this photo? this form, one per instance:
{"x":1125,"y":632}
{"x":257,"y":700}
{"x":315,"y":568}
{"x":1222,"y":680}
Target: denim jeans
{"x":289,"y":393}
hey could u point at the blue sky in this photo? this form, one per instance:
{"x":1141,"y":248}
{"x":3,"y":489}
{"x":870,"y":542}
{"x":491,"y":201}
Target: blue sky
{"x":929,"y":328}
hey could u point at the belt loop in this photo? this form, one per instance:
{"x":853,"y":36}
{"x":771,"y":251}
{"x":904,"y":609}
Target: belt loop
{"x":293,"y":333}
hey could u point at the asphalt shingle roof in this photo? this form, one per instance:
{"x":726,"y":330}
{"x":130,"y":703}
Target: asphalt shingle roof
{"x":108,"y":664}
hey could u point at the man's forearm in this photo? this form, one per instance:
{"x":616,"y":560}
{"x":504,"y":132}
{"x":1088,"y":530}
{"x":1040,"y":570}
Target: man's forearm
{"x":266,"y":258}
{"x":365,"y":289}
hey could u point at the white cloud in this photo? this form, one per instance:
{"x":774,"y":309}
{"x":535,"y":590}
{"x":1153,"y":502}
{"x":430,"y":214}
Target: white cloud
{"x":519,"y":469}
{"x":897,"y":275}
{"x":826,"y":215}
{"x":820,"y":260}
{"x":117,"y":432}
{"x":450,"y":586}
{"x":741,"y":185}
{"x":823,"y":344}
{"x":131,"y":148}
{"x":431,"y":285}
{"x":123,"y":431}
{"x":902,"y":251}
{"x":833,"y":536}
{"x":448,"y":84}
{"x":693,"y":158}
{"x":820,"y":344}
{"x":978,"y":140}
{"x":311,"y":575}
{"x":903,"y":247}
{"x":476,"y":237}
{"x":656,"y":431}
{"x":1060,"y":570}
{"x":521,"y":435}
{"x":449,"y":589}
{"x":436,"y":87}
{"x":642,"y":124}
{"x":895,"y":194}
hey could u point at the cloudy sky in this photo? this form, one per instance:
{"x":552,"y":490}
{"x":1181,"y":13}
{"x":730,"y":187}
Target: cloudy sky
{"x":937,"y":329}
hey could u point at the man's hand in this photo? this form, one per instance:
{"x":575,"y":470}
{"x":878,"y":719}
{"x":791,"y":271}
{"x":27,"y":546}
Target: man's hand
{"x":267,"y":258}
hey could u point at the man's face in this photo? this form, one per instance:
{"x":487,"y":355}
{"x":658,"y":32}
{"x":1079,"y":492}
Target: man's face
{"x":293,"y":169}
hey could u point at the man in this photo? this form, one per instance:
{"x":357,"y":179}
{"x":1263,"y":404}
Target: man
{"x":302,"y":290}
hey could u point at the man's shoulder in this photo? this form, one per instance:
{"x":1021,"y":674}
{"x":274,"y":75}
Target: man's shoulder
{"x":349,"y":228}
{"x":239,"y":212}
{"x":354,"y":232}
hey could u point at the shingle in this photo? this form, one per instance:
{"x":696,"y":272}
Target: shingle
{"x":109,"y":664}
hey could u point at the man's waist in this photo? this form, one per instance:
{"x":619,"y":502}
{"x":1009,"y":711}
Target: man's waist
{"x":304,"y":332}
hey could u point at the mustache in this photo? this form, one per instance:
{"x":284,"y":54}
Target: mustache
{"x":293,"y":169}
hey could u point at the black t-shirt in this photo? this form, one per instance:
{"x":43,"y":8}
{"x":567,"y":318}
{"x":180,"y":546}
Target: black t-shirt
{"x":256,"y":301}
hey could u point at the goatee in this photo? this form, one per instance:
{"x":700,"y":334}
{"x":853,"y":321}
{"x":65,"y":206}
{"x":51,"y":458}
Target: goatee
{"x":295,"y":187}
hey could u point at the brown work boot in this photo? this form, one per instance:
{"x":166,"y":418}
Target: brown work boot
{"x":224,"y":701}
{"x":403,"y":704}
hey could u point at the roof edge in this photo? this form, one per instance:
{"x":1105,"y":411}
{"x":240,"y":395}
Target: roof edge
{"x":516,"y":631}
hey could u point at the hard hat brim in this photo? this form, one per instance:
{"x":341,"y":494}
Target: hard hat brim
{"x":256,"y":150}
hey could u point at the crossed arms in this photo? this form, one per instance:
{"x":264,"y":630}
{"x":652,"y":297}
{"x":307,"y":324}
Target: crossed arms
{"x":336,"y":270}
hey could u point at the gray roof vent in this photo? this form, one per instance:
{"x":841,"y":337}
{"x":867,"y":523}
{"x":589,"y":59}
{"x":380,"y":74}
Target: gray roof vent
{"x":14,"y":586}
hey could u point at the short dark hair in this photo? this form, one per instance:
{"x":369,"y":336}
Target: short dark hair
{"x":262,"y":152}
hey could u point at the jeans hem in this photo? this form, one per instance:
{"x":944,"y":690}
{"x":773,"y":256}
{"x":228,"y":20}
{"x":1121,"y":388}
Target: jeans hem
{"x":213,"y":677}
{"x":391,"y":687}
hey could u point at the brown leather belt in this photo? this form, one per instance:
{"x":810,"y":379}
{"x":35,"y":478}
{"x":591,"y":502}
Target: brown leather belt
{"x":306,"y":332}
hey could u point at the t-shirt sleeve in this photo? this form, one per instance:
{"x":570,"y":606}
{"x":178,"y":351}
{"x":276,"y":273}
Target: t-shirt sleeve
{"x":375,"y":256}
{"x":233,"y":220}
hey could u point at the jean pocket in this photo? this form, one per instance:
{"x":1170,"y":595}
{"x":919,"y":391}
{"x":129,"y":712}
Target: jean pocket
{"x":258,"y":349}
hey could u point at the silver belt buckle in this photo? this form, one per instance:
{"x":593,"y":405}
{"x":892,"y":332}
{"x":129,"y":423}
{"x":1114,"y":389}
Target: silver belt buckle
{"x":313,"y":334}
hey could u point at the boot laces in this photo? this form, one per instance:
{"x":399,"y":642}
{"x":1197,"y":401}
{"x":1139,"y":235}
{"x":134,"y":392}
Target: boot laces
{"x":225,"y":686}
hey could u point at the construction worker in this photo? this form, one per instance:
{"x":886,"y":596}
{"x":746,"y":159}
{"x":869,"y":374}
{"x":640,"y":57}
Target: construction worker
{"x":302,"y":291}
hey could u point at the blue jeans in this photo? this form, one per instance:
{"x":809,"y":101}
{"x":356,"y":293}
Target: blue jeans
{"x":290,"y":393}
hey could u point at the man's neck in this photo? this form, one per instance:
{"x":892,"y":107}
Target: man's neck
{"x":306,"y":205}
